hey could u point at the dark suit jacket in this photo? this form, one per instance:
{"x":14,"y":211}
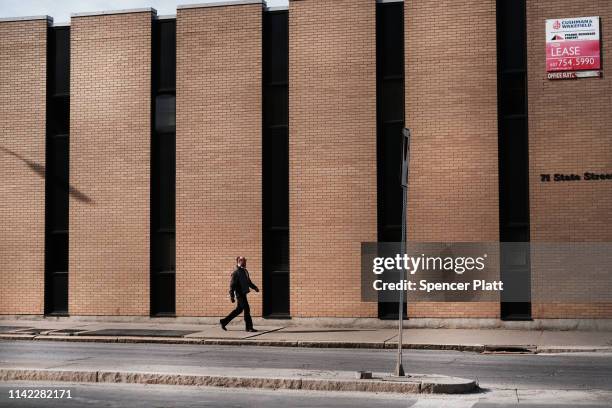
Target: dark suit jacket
{"x":240,"y":283}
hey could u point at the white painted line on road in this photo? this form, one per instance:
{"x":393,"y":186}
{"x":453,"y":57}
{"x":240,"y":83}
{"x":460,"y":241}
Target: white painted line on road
{"x":439,"y":403}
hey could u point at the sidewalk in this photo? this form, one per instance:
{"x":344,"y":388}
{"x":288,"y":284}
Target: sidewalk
{"x":477,"y":340}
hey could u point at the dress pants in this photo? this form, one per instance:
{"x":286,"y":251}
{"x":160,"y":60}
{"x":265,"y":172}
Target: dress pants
{"x":241,"y":305}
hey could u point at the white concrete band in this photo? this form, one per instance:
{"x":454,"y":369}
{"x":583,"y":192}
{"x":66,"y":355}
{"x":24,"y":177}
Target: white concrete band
{"x":220,"y":4}
{"x":110,"y":12}
{"x":26,"y":18}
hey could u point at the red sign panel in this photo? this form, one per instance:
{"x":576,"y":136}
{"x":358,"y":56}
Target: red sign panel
{"x":573,"y":55}
{"x":573,"y":44}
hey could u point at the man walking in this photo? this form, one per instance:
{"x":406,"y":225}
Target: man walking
{"x":240,"y":285}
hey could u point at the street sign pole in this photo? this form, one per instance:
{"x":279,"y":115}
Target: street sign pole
{"x":399,"y":369}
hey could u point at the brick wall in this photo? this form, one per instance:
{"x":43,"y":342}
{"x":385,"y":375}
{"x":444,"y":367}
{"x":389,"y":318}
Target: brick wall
{"x":569,"y":132}
{"x":110,"y":137}
{"x":218,"y":154}
{"x":23,"y":47}
{"x":332,"y":153}
{"x":451,"y":107}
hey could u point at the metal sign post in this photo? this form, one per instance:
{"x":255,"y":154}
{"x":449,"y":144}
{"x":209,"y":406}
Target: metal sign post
{"x":399,"y":369}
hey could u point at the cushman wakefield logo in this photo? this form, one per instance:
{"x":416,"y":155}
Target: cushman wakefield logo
{"x":573,"y":24}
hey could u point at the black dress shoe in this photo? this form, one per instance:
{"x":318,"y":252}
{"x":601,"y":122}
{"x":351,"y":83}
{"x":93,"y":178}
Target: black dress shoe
{"x":222,"y":325}
{"x":252,"y":330}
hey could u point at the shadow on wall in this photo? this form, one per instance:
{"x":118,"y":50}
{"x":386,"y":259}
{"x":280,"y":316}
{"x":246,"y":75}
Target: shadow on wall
{"x":40,"y":170}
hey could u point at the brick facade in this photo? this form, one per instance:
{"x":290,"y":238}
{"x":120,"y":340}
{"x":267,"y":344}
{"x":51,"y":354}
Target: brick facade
{"x":218,"y":154}
{"x":450,"y":104}
{"x":332,"y":153}
{"x":569,"y":133}
{"x":451,"y":107}
{"x":110,"y":134}
{"x":23,"y":76}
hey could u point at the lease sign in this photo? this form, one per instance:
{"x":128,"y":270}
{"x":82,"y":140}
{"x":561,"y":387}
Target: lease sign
{"x":572,"y":44}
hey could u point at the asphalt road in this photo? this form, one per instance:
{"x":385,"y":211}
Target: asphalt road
{"x":538,"y":381}
{"x":150,"y":396}
{"x":146,"y":396}
{"x":558,"y":371}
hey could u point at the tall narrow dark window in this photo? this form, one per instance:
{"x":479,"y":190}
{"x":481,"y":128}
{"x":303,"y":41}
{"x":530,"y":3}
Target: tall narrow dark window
{"x":513,"y":157}
{"x":276,"y":164}
{"x":56,"y":169}
{"x":390,"y":122}
{"x":163,"y":169}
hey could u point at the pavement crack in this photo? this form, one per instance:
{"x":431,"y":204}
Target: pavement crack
{"x":390,"y":338}
{"x":55,"y":366}
{"x":195,"y":353}
{"x":67,"y":363}
{"x":264,"y":332}
{"x":79,"y":359}
{"x":454,"y":360}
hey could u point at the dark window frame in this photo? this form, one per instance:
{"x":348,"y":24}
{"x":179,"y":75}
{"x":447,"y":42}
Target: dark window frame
{"x":163,"y":165}
{"x":513,"y":151}
{"x":275,"y":165}
{"x":57,"y":173}
{"x":390,"y":118}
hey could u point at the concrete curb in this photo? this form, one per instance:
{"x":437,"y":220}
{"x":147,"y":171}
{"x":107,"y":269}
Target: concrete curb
{"x":17,"y":336}
{"x":573,"y":349}
{"x":433,"y":385}
{"x":254,"y":342}
{"x":477,"y":348}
